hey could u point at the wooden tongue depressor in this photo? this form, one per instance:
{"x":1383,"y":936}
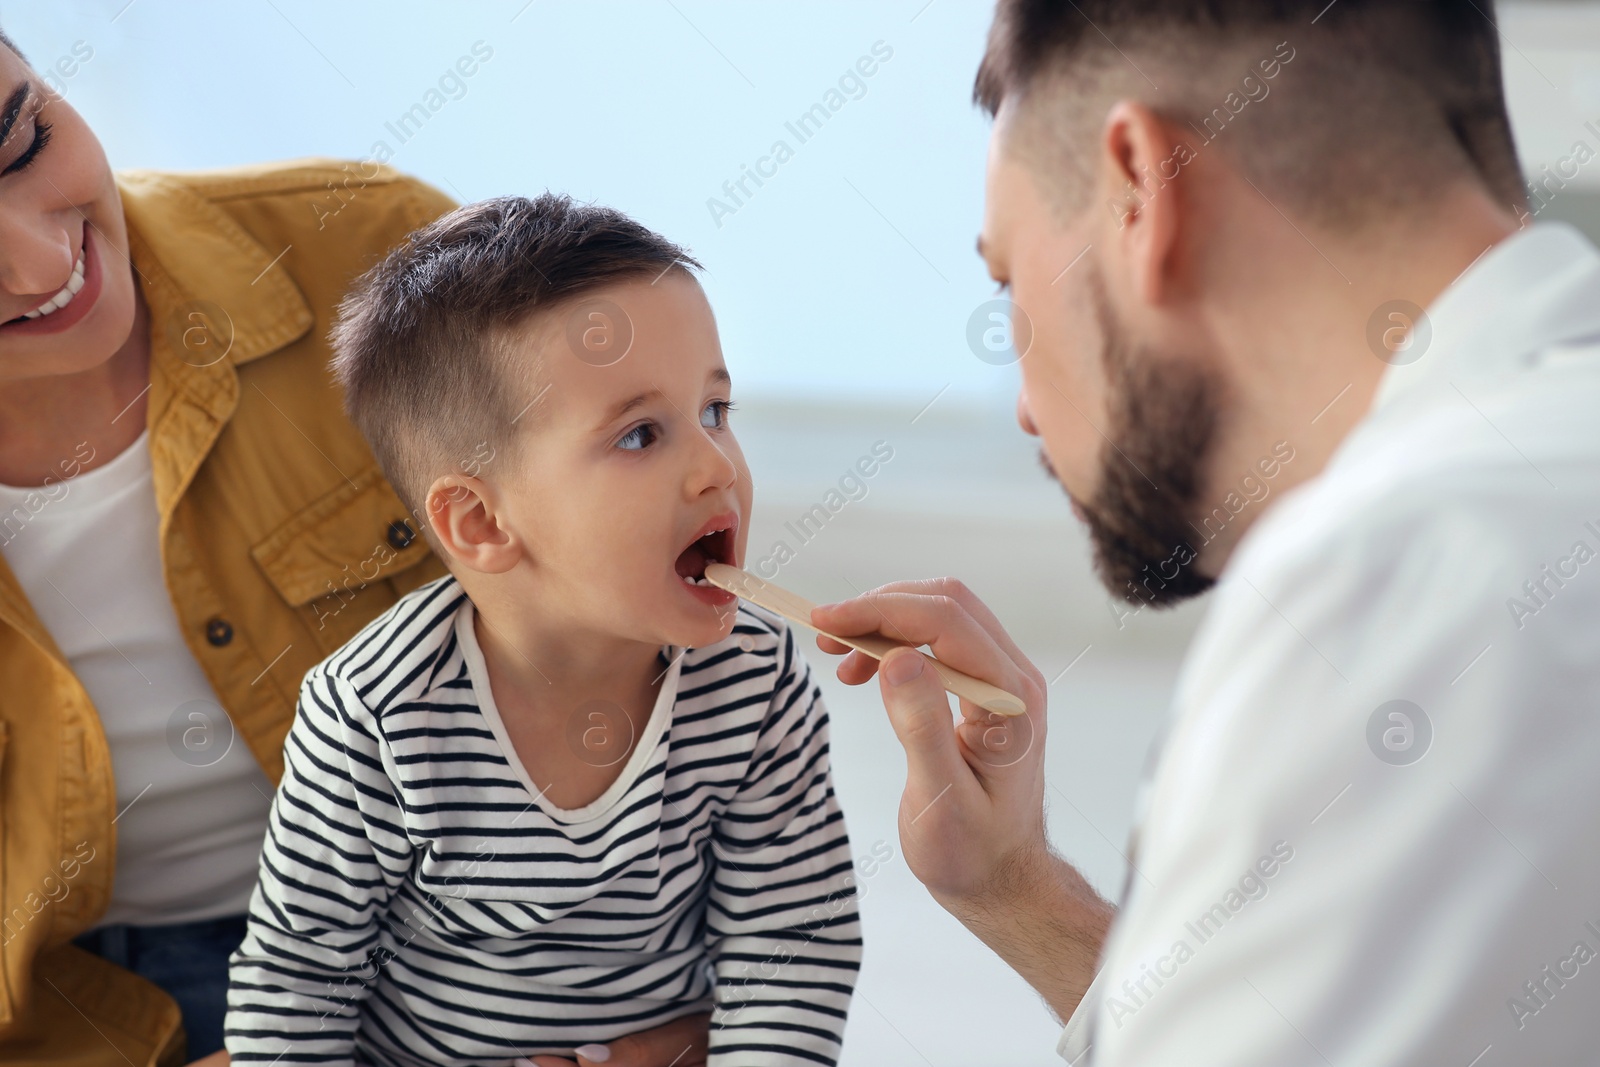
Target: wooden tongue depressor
{"x":797,"y":609}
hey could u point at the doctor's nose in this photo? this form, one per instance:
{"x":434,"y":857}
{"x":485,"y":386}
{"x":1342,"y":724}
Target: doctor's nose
{"x":1024,"y":419}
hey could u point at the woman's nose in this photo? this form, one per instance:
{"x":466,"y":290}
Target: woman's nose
{"x":35,"y":259}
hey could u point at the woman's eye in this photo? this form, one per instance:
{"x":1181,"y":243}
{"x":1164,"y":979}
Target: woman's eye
{"x":41,"y":137}
{"x":715,"y":415}
{"x":639,"y":438}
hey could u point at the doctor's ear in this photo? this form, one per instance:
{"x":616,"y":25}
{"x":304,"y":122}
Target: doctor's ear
{"x":1143,"y":179}
{"x":463,"y":512}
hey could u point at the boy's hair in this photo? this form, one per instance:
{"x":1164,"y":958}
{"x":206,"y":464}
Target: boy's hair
{"x":1384,"y":100}
{"x":423,"y":345}
{"x":9,"y":43}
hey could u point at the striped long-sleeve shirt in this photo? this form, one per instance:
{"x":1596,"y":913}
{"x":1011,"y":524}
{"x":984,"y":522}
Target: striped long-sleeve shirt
{"x":421,"y":903}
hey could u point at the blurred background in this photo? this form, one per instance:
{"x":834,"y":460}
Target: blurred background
{"x":852,"y":309}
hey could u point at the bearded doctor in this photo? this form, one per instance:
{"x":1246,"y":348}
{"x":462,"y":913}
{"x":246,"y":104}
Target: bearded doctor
{"x":1287,"y":244}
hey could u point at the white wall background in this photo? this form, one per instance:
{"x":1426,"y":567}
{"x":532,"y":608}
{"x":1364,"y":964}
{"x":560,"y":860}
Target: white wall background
{"x":843,"y":289}
{"x":647,"y":105}
{"x":849,"y":275}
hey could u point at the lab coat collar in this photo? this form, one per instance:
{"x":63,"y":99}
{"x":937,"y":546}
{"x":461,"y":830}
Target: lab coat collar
{"x":1533,"y":290}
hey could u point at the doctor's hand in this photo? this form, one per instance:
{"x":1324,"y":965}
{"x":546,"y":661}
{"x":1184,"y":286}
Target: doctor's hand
{"x":971,"y":820}
{"x":974,"y":799}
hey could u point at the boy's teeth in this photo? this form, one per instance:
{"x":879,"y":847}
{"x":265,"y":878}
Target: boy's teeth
{"x":64,"y":297}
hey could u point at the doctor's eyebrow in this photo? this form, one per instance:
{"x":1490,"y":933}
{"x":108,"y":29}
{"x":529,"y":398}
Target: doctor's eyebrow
{"x":12,"y":110}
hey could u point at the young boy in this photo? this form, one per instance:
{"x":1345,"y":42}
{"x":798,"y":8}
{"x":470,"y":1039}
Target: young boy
{"x":570,"y":791}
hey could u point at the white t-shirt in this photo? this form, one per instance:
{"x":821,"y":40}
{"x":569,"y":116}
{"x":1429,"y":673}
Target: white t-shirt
{"x":1372,"y":835}
{"x":192,"y":800}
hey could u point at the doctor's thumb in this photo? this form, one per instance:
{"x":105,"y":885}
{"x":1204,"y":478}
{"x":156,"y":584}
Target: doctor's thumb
{"x":919,"y":711}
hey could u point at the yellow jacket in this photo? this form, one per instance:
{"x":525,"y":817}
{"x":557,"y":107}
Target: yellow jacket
{"x":280,"y":539}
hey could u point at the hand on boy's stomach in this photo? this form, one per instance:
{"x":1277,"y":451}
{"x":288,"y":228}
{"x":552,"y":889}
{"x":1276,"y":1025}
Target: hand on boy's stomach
{"x":680,"y":1043}
{"x":974,"y":796}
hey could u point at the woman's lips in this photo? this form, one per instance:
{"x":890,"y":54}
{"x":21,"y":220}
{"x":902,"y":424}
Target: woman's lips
{"x":80,"y":305}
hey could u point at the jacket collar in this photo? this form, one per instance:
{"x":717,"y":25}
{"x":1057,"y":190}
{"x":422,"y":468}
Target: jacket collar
{"x":210,"y":266}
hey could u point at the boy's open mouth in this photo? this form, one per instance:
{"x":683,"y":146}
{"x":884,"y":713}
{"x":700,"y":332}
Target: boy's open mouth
{"x":713,"y":544}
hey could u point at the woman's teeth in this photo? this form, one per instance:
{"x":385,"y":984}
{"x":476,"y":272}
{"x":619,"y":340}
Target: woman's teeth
{"x":64,"y":297}
{"x":688,"y":580}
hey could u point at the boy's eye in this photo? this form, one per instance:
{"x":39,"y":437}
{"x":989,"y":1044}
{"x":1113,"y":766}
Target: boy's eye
{"x":639,"y":438}
{"x":715,"y":415}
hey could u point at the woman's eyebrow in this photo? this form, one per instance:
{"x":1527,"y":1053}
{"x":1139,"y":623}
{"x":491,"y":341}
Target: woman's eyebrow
{"x":12,"y":109}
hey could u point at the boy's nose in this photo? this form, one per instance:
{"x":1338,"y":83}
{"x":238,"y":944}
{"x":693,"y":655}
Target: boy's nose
{"x":715,"y":467}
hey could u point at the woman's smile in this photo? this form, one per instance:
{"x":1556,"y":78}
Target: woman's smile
{"x":71,"y":303}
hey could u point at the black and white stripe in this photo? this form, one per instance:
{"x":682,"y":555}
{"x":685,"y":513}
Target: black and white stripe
{"x":419,"y":905}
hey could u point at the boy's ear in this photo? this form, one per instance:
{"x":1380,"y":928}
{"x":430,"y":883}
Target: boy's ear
{"x":461,"y":510}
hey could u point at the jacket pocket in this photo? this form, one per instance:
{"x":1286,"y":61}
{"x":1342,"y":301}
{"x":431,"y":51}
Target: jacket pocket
{"x":357,"y":535}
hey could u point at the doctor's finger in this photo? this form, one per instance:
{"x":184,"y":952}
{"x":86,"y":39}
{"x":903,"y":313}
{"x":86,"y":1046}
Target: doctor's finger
{"x":855,"y":668}
{"x":919,"y":712}
{"x":830,"y":646}
{"x":957,"y":590}
{"x":956,"y":638}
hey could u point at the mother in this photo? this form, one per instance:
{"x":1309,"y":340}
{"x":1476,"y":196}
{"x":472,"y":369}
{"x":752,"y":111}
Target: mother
{"x":187,"y":524}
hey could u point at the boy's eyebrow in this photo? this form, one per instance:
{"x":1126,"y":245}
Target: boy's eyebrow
{"x":718,"y":376}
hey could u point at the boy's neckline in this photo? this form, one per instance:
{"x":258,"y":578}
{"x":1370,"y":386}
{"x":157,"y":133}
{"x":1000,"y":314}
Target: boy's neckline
{"x":644,"y":746}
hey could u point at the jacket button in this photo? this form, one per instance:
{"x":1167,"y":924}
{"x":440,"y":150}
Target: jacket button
{"x":219,"y":631}
{"x":401,"y":534}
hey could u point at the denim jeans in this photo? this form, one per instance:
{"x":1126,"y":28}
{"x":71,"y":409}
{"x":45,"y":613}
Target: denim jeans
{"x":188,"y":960}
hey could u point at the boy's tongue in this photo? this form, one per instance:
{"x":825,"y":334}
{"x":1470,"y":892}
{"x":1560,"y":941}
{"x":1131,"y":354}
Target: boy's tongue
{"x":692,"y":560}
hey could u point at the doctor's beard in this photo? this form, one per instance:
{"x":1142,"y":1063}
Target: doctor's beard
{"x":1163,"y":416}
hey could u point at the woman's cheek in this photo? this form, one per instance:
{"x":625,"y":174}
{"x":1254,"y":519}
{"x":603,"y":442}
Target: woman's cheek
{"x":79,"y":170}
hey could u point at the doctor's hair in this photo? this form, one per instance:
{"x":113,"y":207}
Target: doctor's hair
{"x":1374,"y":104}
{"x":425,"y":343}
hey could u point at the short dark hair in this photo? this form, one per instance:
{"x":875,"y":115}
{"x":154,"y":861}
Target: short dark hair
{"x":421,"y":344}
{"x":1385,"y":98}
{"x":9,"y":43}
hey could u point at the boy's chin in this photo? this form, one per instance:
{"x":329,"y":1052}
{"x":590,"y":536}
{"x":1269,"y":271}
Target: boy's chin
{"x":717,"y":626}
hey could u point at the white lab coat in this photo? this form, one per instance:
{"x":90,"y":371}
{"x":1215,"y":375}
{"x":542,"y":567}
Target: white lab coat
{"x":1318,"y":880}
